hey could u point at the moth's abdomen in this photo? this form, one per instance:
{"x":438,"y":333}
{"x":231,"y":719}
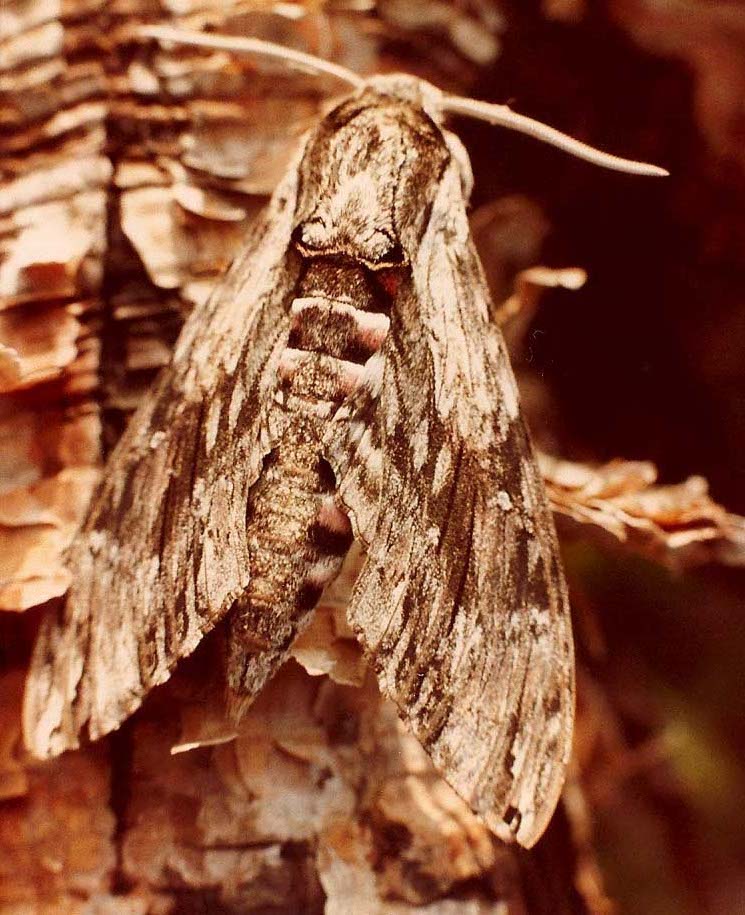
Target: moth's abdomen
{"x":297,"y":535}
{"x":297,"y":538}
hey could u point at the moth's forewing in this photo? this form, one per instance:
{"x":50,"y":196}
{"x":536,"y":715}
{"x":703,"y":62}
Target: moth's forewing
{"x":462,"y":603}
{"x":162,"y":554}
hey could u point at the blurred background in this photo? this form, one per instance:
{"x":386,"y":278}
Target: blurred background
{"x":128,"y":175}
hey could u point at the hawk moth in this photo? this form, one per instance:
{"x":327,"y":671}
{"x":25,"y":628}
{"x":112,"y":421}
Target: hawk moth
{"x":343,"y":382}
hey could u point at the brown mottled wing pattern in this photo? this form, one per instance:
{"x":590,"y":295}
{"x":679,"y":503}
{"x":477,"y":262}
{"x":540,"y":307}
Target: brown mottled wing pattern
{"x":163,"y":554}
{"x":461,"y":604}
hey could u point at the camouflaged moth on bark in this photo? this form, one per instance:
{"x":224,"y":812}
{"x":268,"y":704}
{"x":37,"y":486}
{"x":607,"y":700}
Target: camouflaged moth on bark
{"x":343,"y":382}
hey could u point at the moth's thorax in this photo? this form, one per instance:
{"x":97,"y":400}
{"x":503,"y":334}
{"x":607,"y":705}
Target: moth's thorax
{"x":368,"y":177}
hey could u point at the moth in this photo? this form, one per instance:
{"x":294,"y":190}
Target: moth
{"x":342,"y":383}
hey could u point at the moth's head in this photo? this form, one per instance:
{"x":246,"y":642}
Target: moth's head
{"x":369,"y":175}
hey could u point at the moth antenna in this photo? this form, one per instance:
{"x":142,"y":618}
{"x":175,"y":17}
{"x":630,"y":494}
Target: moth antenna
{"x":242,"y":45}
{"x":503,"y":116}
